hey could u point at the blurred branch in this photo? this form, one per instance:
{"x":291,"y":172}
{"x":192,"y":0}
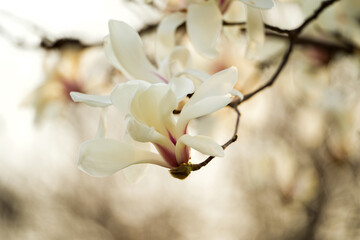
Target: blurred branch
{"x":315,"y":211}
{"x":342,"y":46}
{"x":274,"y":77}
{"x":60,"y":43}
{"x":44,"y":40}
{"x":292,"y":36}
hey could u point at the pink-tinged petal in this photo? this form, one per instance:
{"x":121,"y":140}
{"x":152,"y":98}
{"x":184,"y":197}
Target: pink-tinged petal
{"x":104,"y":157}
{"x":168,"y":155}
{"x":165,"y":35}
{"x":122,"y":94}
{"x":203,"y":144}
{"x":177,"y":62}
{"x":143,"y":133}
{"x":255,"y":31}
{"x":128,"y":50}
{"x":199,"y":109}
{"x":203,"y":24}
{"x":263,"y":4}
{"x":91,"y":100}
{"x":224,"y":5}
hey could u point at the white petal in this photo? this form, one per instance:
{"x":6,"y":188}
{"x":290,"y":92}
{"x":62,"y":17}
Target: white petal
{"x":198,"y":109}
{"x":204,"y":22}
{"x":285,"y":15}
{"x":218,"y":84}
{"x":145,"y":106}
{"x":255,"y":31}
{"x":175,"y":63}
{"x":165,"y":35}
{"x":181,"y":86}
{"x":109,"y":53}
{"x":122,"y":94}
{"x":204,"y":107}
{"x":236,"y":93}
{"x":143,"y":133}
{"x":167,"y":104}
{"x":129,"y":52}
{"x":197,"y":76}
{"x":263,"y":4}
{"x":203,"y":144}
{"x":236,"y":12}
{"x":200,"y":75}
{"x":103,"y":157}
{"x":91,"y":100}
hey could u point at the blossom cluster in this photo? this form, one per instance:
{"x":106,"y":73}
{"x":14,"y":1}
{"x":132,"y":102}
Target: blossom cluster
{"x":148,"y":100}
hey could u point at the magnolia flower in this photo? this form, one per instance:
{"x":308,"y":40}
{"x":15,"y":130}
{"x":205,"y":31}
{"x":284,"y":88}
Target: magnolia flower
{"x":149,"y":111}
{"x":204,"y":22}
{"x":124,"y":49}
{"x":64,"y":72}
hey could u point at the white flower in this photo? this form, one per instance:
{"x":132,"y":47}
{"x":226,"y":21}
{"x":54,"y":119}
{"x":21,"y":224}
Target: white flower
{"x":124,"y":49}
{"x":64,"y":72}
{"x":149,"y":109}
{"x":204,"y":22}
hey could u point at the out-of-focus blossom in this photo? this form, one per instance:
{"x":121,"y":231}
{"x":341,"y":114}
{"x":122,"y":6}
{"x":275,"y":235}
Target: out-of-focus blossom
{"x":285,"y":14}
{"x":342,"y":18}
{"x":149,"y":110}
{"x":64,"y":69}
{"x":204,"y":22}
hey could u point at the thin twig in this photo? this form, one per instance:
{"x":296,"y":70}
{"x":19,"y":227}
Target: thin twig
{"x":343,"y":46}
{"x":226,"y":23}
{"x":275,"y":75}
{"x":323,"y":6}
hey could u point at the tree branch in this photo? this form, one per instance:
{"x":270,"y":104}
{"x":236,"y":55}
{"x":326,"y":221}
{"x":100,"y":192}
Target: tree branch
{"x":275,"y":75}
{"x":292,"y":35}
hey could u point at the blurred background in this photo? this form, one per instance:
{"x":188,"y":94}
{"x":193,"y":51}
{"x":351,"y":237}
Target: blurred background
{"x":292,"y":174}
